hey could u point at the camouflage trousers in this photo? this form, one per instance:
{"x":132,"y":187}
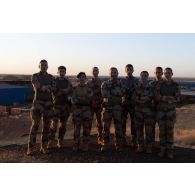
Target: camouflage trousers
{"x":60,"y":115}
{"x":40,"y":110}
{"x":82,"y":117}
{"x":166,"y":121}
{"x":155,"y":122}
{"x":98,"y":113}
{"x":129,"y":109}
{"x":108,"y":114}
{"x":144,"y":120}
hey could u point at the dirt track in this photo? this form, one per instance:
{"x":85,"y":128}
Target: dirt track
{"x":17,"y":154}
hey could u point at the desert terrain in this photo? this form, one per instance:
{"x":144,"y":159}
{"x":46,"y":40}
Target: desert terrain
{"x":14,"y":135}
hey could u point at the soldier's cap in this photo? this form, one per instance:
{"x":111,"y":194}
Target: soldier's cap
{"x":80,"y":74}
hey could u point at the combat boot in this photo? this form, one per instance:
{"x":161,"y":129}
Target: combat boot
{"x":75,"y":147}
{"x":118,"y":147}
{"x":170,"y":155}
{"x":44,"y":150}
{"x":105,"y":147}
{"x":149,"y":150}
{"x":140,"y":149}
{"x":51,"y":144}
{"x":99,"y":141}
{"x":60,"y":143}
{"x":29,"y":151}
{"x":161,"y":154}
{"x":85,"y":147}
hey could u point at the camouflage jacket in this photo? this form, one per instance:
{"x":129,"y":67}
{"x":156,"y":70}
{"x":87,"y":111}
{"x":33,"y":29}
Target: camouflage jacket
{"x":112,"y":93}
{"x":62,"y":90}
{"x":82,"y":95}
{"x":43,"y":85}
{"x":143,"y":97}
{"x":95,"y":85}
{"x":129,"y":84}
{"x":167,"y":95}
{"x":154,"y":85}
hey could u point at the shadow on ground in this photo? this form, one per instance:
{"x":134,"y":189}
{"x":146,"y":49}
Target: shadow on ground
{"x":17,"y":154}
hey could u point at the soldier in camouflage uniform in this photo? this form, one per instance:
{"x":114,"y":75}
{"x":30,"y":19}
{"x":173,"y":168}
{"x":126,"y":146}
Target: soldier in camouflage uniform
{"x":82,"y":116}
{"x":143,"y":113}
{"x":95,"y":85}
{"x":112,"y":92}
{"x":167,"y":95}
{"x":158,"y":79}
{"x":130,"y":83}
{"x":63,"y":89}
{"x":42,"y":108}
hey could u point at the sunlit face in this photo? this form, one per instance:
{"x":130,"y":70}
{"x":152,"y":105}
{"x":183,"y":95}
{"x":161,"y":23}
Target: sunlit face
{"x":62,"y":72}
{"x":158,"y":73}
{"x":82,"y":79}
{"x":144,"y":76}
{"x":113,"y":74}
{"x":129,"y":71}
{"x":95,"y":72}
{"x":43,"y":66}
{"x":168,"y":74}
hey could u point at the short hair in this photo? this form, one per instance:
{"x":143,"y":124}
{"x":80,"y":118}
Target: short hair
{"x":159,"y":68}
{"x":43,"y":61}
{"x":170,"y":69}
{"x":145,"y":72}
{"x":80,"y":74}
{"x":95,"y":67}
{"x":113,"y":68}
{"x":62,"y":68}
{"x":129,"y":66}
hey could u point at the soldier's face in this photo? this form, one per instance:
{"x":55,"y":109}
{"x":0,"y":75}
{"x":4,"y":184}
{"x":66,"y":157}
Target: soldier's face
{"x":113,"y":74}
{"x":168,"y":74}
{"x":95,"y":72}
{"x":144,"y":76}
{"x":43,"y":66}
{"x":62,"y":72}
{"x":82,"y":79}
{"x":129,"y":71}
{"x":158,"y":73}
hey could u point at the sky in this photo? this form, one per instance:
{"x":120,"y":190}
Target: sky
{"x":21,"y":53}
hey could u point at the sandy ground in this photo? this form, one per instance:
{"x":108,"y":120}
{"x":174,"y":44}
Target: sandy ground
{"x":15,"y":129}
{"x":14,"y":136}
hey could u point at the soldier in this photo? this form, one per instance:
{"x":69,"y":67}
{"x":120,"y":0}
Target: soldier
{"x":158,"y":79}
{"x":63,"y":89}
{"x":42,"y":108}
{"x":112,"y":92}
{"x":167,"y":95}
{"x":82,"y":116}
{"x":143,"y":113}
{"x":95,"y":85}
{"x":130,"y":83}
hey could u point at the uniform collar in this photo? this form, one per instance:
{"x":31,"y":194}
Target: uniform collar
{"x":61,"y":79}
{"x":42,"y":73}
{"x":131,"y":77}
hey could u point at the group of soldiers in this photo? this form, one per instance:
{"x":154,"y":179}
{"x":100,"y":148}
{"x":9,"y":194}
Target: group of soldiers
{"x":146,"y":102}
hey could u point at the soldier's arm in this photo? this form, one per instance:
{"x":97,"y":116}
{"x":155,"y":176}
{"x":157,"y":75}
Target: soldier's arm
{"x":89,"y":95}
{"x":69,"y":89}
{"x":35,"y":82}
{"x":136,"y":96}
{"x":178,"y":94}
{"x":176,"y":98}
{"x":157,"y":95}
{"x":52,"y":86}
{"x":74,"y":96}
{"x":104,"y":90}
